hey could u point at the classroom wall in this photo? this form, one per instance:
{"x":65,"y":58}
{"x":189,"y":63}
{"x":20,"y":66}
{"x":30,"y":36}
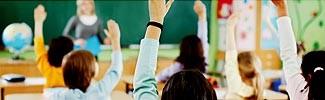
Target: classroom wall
{"x":308,"y":18}
{"x":132,"y":17}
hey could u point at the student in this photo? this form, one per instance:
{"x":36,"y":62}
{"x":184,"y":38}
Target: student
{"x":79,"y":68}
{"x":145,"y":85}
{"x":193,"y":49}
{"x":201,"y":89}
{"x":242,"y":70}
{"x":85,"y":24}
{"x":49,"y":62}
{"x":306,"y":82}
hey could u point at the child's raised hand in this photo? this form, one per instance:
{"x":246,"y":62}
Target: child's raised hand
{"x":279,"y":3}
{"x":114,"y":34}
{"x":200,"y":9}
{"x":281,"y":7}
{"x":114,"y":30}
{"x":39,"y":13}
{"x":158,"y":9}
{"x":233,"y":19}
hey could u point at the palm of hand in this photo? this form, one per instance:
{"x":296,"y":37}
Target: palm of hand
{"x":39,"y":13}
{"x":199,"y":8}
{"x":158,"y":9}
{"x":114,"y":30}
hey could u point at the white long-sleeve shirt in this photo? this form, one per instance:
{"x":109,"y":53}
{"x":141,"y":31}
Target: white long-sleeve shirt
{"x":236,"y":87}
{"x":288,"y":52}
{"x":177,"y":67}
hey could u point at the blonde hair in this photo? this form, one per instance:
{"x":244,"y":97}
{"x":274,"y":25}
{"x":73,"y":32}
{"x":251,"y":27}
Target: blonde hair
{"x":248,"y":65}
{"x":79,"y":3}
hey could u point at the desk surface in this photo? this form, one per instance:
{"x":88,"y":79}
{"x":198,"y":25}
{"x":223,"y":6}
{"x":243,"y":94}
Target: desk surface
{"x":29,"y":81}
{"x":268,"y":94}
{"x":102,"y":56}
{"x":116,"y":95}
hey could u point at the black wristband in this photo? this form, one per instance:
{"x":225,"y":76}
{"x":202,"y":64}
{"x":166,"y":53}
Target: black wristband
{"x":156,"y":24}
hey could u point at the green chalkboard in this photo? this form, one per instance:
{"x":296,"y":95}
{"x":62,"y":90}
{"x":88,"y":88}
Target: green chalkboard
{"x":132,"y":17}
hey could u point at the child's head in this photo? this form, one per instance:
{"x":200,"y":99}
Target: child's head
{"x":79,"y":67}
{"x":247,"y":65}
{"x":188,"y":85}
{"x":312,"y":67}
{"x":59,"y":47}
{"x":85,"y":7}
{"x":191,"y":53}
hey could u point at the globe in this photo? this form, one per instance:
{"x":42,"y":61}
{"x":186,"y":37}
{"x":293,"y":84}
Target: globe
{"x":16,"y":38}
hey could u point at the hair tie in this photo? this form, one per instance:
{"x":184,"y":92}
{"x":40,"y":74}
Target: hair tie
{"x":318,"y":68}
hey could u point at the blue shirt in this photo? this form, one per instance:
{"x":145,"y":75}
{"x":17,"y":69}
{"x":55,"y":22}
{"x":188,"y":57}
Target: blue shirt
{"x":100,"y":90}
{"x":145,"y":84}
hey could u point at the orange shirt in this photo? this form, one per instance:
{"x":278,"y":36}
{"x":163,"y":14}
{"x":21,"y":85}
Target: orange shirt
{"x":53,"y":75}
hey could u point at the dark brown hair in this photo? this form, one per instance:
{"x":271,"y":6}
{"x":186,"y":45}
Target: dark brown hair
{"x":58,"y":48}
{"x":78,"y":69}
{"x":249,"y":74}
{"x":188,"y":85}
{"x":191,"y":53}
{"x":315,"y":78}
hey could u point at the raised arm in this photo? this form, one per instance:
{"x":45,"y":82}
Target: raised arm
{"x":230,"y":37}
{"x":288,"y":49}
{"x":145,"y":85}
{"x":113,"y":75}
{"x":234,"y":81}
{"x":200,"y":10}
{"x":39,"y":18}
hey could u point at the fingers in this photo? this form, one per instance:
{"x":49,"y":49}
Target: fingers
{"x":233,"y":19}
{"x":110,"y":23}
{"x":106,"y":33}
{"x":113,"y":31}
{"x":39,"y":13}
{"x":168,"y":5}
{"x":39,"y":9}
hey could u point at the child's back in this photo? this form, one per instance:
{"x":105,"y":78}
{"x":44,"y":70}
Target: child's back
{"x":79,"y":69}
{"x":49,"y":62}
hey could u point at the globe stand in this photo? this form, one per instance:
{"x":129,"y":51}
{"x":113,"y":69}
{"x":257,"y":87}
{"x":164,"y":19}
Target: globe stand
{"x":17,"y":57}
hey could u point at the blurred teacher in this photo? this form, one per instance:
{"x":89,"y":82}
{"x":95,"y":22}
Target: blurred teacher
{"x":86,"y":26}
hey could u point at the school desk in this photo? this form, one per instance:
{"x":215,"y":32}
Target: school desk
{"x":164,"y":51}
{"x":30,"y":85}
{"x":116,"y":95}
{"x":268,"y":94}
{"x":28,"y":67}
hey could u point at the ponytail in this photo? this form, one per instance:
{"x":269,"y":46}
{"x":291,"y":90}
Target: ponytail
{"x":317,"y":85}
{"x":258,"y":86}
{"x":250,"y":72}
